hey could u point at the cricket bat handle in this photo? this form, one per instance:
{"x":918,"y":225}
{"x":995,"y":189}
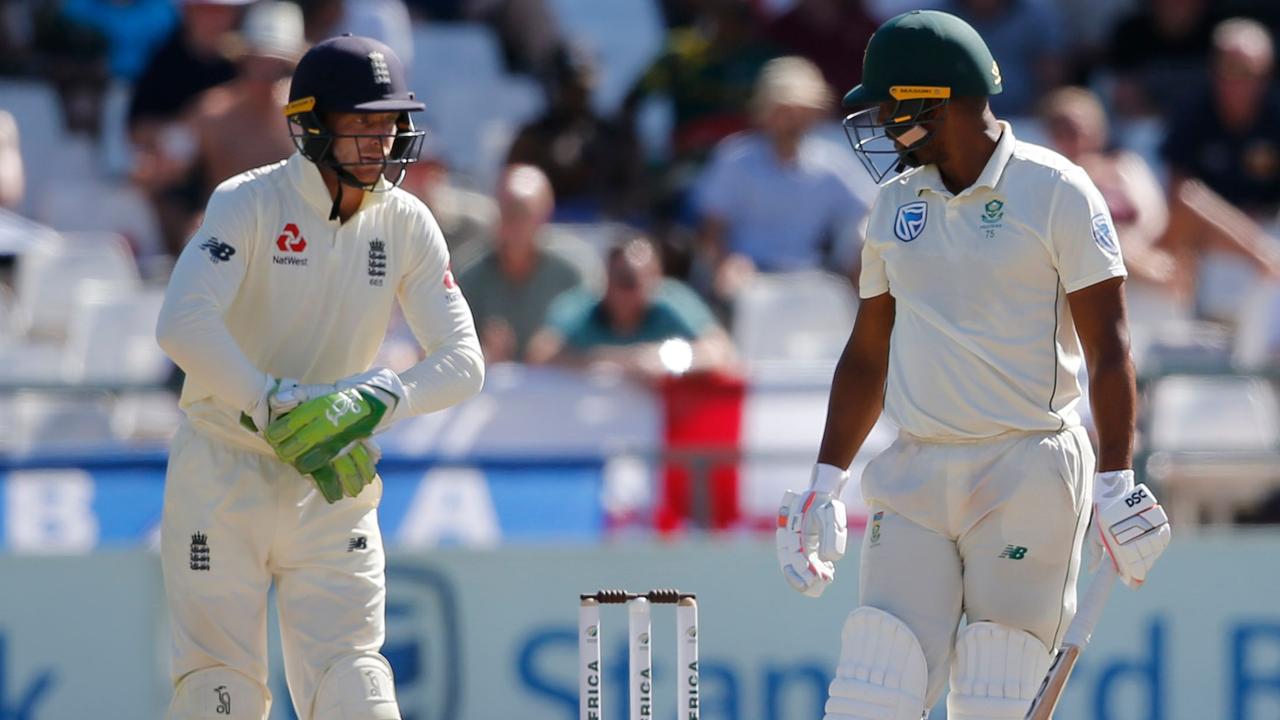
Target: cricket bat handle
{"x":1073,"y":643}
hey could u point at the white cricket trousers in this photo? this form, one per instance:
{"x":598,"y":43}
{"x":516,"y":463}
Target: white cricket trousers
{"x":989,"y":529}
{"x":234,"y":522}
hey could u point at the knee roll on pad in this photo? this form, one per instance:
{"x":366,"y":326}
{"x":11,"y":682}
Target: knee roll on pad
{"x":356,"y":687}
{"x":996,"y":672}
{"x":882,"y":673}
{"x":219,"y":693}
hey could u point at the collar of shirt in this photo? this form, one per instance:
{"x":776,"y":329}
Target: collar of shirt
{"x":306,"y":177}
{"x":931,"y":179}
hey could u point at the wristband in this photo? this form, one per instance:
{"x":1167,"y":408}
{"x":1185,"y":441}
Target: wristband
{"x":828,"y":479}
{"x":1111,"y":485}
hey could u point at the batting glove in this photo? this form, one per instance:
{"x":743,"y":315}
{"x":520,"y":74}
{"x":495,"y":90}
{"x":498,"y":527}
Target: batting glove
{"x":1128,"y":525}
{"x":813,"y":531}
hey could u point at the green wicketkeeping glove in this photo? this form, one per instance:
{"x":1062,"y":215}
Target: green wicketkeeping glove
{"x":280,"y":397}
{"x":349,"y":472}
{"x":317,"y":431}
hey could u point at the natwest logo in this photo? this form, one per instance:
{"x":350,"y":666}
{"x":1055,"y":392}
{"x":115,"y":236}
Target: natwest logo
{"x":291,"y":239}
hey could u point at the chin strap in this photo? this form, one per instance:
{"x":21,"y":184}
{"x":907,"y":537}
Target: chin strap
{"x":344,"y":178}
{"x":337,"y":202}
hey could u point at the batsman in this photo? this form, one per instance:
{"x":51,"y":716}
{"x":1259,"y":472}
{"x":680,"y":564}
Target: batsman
{"x":990,"y":273}
{"x":275,"y":310}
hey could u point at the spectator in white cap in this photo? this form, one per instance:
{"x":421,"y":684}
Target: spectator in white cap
{"x":237,"y":125}
{"x":773,"y":199}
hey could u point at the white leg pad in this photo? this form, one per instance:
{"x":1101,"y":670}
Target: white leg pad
{"x":882,"y":673}
{"x":996,"y":672}
{"x":219,"y":693}
{"x":358,"y":686}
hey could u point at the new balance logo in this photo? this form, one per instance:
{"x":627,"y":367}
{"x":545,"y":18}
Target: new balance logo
{"x":1013,"y":552}
{"x":200,"y":553}
{"x":358,"y":542}
{"x":218,"y":250}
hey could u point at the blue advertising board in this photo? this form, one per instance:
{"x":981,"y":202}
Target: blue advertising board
{"x":486,"y":634}
{"x":114,"y":500}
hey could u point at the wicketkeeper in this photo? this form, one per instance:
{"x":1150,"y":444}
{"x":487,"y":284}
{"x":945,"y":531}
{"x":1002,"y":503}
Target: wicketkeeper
{"x":275,"y":311}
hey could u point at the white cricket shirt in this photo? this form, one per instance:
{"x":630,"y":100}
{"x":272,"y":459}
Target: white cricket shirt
{"x":269,"y":287}
{"x":983,"y":341}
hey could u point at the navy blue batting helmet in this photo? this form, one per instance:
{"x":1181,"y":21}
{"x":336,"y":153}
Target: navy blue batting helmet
{"x":351,"y":74}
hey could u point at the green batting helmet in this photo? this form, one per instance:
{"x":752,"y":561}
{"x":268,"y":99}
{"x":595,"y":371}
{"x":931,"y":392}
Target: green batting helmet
{"x":918,"y":60}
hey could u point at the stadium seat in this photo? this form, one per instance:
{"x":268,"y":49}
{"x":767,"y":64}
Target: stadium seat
{"x":624,"y":36}
{"x":509,"y":417}
{"x":1257,"y":342}
{"x":8,"y":317}
{"x":41,"y":128}
{"x":89,"y":204}
{"x":48,"y":276}
{"x":117,"y":150}
{"x":47,"y":422}
{"x":1144,"y":137}
{"x":1223,"y":284}
{"x":1215,"y":443}
{"x":563,"y":240}
{"x":19,"y":234}
{"x":794,"y":317}
{"x":143,"y":416}
{"x":1193,"y":346}
{"x":111,"y":337}
{"x":30,"y":362}
{"x":448,"y":53}
{"x":1154,"y":315}
{"x":473,"y":109}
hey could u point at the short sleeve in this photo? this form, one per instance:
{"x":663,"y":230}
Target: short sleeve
{"x":692,"y":311}
{"x":569,"y":310}
{"x":873,"y":280}
{"x":1083,"y":238}
{"x":672,"y":321}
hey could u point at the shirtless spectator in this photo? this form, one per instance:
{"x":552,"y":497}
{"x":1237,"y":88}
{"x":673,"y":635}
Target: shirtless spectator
{"x":188,"y":63}
{"x":1077,"y":126}
{"x":238,"y":125}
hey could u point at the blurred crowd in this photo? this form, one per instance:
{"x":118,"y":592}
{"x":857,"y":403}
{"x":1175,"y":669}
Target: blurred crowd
{"x":591,"y":242}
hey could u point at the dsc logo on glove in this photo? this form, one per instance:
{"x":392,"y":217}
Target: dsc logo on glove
{"x":1135,"y":498}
